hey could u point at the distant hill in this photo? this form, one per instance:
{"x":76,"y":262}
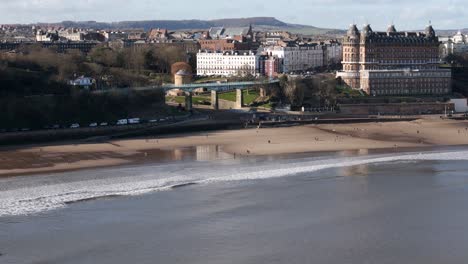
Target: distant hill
{"x":259,"y":23}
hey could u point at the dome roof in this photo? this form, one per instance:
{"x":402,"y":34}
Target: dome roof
{"x":183,"y":72}
{"x":391,"y":29}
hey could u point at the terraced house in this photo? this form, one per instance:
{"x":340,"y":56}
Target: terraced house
{"x":228,"y":63}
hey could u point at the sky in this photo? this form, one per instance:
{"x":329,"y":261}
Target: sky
{"x":406,"y":14}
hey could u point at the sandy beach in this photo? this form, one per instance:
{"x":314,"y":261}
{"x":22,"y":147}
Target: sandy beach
{"x":427,"y":132}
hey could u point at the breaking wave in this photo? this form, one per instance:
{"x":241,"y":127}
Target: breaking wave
{"x":35,"y":194}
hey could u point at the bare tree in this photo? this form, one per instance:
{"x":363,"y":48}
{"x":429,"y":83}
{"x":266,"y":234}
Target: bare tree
{"x":293,"y":90}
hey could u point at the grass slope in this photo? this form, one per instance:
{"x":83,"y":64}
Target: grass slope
{"x":249,"y":96}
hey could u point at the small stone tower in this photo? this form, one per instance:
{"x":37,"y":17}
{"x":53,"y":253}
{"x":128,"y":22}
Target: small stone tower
{"x":182,"y":77}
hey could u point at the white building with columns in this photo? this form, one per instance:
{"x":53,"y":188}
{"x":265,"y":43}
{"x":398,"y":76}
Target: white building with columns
{"x":298,"y":57}
{"x":229,"y":63}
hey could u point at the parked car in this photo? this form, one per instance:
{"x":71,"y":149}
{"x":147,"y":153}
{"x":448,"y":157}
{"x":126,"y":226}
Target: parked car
{"x":93,"y":125}
{"x":56,"y":126}
{"x":104,"y":124}
{"x":121,"y":122}
{"x":134,"y":120}
{"x":75,"y":125}
{"x":153,"y":121}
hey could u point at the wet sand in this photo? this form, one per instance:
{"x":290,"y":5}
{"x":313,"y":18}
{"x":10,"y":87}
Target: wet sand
{"x":248,"y":142}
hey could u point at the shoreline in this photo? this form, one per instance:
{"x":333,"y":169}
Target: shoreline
{"x":72,"y":156}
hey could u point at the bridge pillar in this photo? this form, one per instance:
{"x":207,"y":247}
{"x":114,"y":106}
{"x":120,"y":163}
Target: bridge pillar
{"x":263,"y":92}
{"x":239,"y":99}
{"x":214,"y":100}
{"x":188,"y":101}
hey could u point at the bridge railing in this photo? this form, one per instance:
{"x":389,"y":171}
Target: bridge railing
{"x":192,"y":86}
{"x":212,"y":86}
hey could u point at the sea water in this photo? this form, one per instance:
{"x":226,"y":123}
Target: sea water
{"x":375,"y":208}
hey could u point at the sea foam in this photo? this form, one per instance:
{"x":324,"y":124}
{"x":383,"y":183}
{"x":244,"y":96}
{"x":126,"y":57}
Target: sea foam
{"x":35,"y":194}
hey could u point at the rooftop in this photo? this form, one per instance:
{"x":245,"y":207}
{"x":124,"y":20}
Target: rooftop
{"x":392,"y":35}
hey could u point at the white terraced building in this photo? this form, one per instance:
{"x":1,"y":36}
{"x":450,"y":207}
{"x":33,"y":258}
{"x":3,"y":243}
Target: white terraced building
{"x":232,"y":63}
{"x":333,"y":53}
{"x":298,"y":58}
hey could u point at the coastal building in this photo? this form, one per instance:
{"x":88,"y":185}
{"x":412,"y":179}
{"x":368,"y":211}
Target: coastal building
{"x":457,"y":44}
{"x":83,"y":46}
{"x":393,"y":63}
{"x":72,"y":34}
{"x":137,"y":35}
{"x":158,"y":35}
{"x":189,"y":46}
{"x":82,"y":81}
{"x":298,"y":57}
{"x":460,"y":105}
{"x":229,"y":39}
{"x":272,"y":40}
{"x":224,"y":45}
{"x":332,"y":52}
{"x":228,"y":63}
{"x":114,"y":35}
{"x":46,"y":36}
{"x":269,"y":65}
{"x":17,"y":33}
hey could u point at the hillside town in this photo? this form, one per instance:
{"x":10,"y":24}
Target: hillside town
{"x":282,"y":52}
{"x":360,"y":73}
{"x":294,"y":52}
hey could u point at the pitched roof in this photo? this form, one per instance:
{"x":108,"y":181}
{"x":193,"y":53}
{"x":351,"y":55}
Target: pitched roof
{"x":401,"y":37}
{"x":216,"y":32}
{"x":236,"y":31}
